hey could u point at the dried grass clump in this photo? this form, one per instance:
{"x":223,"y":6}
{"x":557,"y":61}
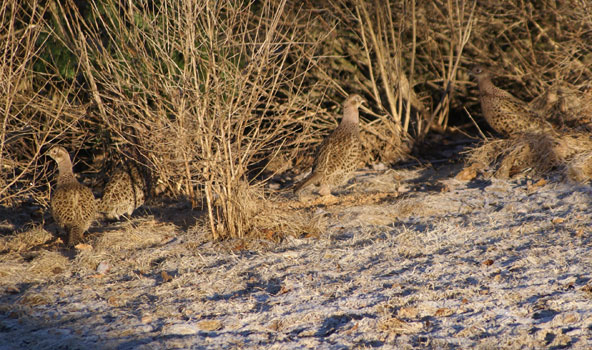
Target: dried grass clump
{"x":579,"y":168}
{"x":537,"y":153}
{"x":504,"y":158}
{"x":48,"y":263}
{"x":271,"y":219}
{"x":380,"y":146}
{"x":573,"y":144}
{"x":276,"y":223}
{"x":24,"y":241}
{"x":24,"y":259}
{"x":575,"y":151}
{"x":43,"y":265}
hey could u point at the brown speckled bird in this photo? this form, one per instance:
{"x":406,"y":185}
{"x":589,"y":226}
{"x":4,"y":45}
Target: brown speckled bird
{"x":338,"y":155}
{"x":73,"y":205}
{"x":124,"y":192}
{"x":505,"y":113}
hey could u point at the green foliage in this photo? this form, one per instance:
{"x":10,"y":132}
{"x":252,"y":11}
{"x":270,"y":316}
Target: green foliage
{"x":55,"y":57}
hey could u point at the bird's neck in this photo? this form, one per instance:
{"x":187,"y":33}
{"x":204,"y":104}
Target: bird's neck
{"x":65,"y":174}
{"x":486,"y":86}
{"x":350,"y":115}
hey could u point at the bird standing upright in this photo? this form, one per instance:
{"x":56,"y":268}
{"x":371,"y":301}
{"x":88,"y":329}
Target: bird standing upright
{"x":73,"y":205}
{"x":338,"y":155}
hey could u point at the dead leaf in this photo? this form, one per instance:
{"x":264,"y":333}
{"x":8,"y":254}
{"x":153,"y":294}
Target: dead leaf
{"x":488,"y":262}
{"x":113,"y":300}
{"x":470,"y":331}
{"x":275,"y":325}
{"x":268,"y":234}
{"x":570,"y":318}
{"x":166,"y":277}
{"x":240,"y":246}
{"x":12,"y":290}
{"x":398,"y":326}
{"x":444,"y":312}
{"x":283,"y":290}
{"x":538,"y":184}
{"x":408,"y":312}
{"x":83,"y":246}
{"x":353,"y":329}
{"x":210,"y":325}
{"x":557,"y":220}
{"x":103,"y":267}
{"x":467,"y":174}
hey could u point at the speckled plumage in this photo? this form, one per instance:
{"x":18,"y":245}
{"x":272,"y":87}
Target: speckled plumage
{"x":338,"y":155}
{"x":73,"y":205}
{"x":124,"y":192}
{"x":505,"y":113}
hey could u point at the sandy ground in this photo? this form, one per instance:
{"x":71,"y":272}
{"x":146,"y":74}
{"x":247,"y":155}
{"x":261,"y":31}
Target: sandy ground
{"x":435,"y":263}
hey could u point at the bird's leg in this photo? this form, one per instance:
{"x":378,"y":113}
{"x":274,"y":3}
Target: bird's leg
{"x":75,"y":235}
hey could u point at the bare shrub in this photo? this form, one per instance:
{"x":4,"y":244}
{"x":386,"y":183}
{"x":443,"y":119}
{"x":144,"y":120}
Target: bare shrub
{"x":539,"y":50}
{"x":41,"y":102}
{"x":386,"y":53}
{"x":201,"y":90}
{"x":385,"y":50}
{"x":18,"y":160}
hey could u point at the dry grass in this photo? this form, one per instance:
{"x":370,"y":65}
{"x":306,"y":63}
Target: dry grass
{"x":196,"y":92}
{"x":579,"y":168}
{"x":505,"y":158}
{"x":535,"y":153}
{"x":566,"y":106}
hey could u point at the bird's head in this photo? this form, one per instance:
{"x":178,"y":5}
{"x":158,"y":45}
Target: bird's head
{"x":480,"y":72}
{"x":354,"y":100}
{"x":58,"y":153}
